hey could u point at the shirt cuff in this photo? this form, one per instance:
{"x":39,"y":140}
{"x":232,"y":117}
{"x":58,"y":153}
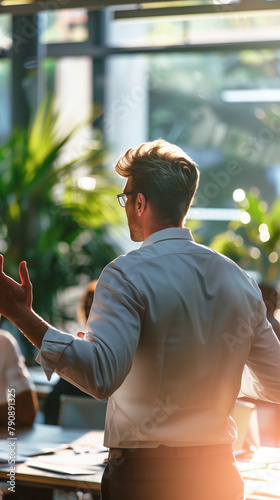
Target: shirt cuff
{"x":53,"y":345}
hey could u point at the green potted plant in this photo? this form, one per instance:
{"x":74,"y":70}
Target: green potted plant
{"x":254,"y":241}
{"x":51,"y":217}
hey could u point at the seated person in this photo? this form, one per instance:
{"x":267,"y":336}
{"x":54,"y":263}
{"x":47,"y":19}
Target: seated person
{"x":51,"y":409}
{"x":16,"y":381}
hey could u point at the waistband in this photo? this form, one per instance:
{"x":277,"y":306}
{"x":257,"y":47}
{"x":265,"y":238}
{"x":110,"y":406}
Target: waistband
{"x":168,"y":451}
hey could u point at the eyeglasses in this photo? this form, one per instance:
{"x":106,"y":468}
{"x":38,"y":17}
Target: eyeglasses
{"x":122,"y":198}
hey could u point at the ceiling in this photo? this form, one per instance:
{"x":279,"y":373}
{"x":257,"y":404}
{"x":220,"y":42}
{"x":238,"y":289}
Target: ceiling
{"x":130,"y":8}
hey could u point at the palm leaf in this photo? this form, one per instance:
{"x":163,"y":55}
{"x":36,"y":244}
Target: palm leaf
{"x":44,"y":213}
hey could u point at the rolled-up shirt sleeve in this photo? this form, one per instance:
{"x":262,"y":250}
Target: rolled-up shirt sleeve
{"x":53,"y":345}
{"x":99,"y":363}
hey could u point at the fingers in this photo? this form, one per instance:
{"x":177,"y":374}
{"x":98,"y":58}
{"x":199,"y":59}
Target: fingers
{"x":24,"y":275}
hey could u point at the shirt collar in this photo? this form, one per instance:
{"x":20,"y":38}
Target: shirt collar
{"x":171,"y":233}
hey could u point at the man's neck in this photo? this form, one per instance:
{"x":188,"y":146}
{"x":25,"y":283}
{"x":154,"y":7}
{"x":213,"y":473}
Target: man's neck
{"x":155,"y":227}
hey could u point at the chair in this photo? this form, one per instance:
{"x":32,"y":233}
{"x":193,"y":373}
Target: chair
{"x":245,"y":417}
{"x":4,"y":491}
{"x":79,"y":412}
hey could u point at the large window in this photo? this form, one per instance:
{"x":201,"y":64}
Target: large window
{"x":62,"y":26}
{"x":223,"y":108}
{"x":5,"y":77}
{"x":69,"y":79}
{"x":198,"y":81}
{"x":5,"y":99}
{"x":5,"y":32}
{"x":224,"y":26}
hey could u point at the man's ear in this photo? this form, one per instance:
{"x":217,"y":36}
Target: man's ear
{"x":141,"y":204}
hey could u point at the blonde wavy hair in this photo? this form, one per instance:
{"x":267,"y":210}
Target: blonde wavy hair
{"x":165,"y":175}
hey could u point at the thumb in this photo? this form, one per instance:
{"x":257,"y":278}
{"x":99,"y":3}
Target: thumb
{"x":24,"y":275}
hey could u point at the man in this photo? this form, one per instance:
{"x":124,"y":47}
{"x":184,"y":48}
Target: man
{"x":17,"y":391}
{"x":171,"y":328}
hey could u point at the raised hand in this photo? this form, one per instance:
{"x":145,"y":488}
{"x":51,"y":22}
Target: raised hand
{"x":16,"y":304}
{"x":14,"y":297}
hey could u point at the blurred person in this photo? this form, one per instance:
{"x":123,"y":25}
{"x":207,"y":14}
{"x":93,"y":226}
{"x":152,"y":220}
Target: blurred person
{"x":52,"y":403}
{"x":16,"y":385}
{"x":270,"y":298}
{"x":85,"y":303}
{"x":175,"y":333}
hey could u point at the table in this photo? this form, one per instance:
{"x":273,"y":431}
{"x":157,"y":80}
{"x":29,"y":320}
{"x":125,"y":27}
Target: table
{"x":261,"y":474}
{"x":74,"y":450}
{"x":81,"y":447}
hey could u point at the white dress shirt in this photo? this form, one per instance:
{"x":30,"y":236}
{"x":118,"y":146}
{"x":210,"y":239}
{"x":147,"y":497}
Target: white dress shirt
{"x":170,"y":330}
{"x":13,"y":371}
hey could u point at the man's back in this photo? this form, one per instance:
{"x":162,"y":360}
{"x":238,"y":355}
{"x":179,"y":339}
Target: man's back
{"x":196,"y":335}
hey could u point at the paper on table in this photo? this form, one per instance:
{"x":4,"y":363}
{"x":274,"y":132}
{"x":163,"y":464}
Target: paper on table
{"x":251,"y":486}
{"x":274,"y":465}
{"x":25,"y":450}
{"x":60,"y":469}
{"x":247,"y":466}
{"x":266,"y":455}
{"x":265,"y":489}
{"x":86,"y":459}
{"x":270,"y":489}
{"x":270,"y":475}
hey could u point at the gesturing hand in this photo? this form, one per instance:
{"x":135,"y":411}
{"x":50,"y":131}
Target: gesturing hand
{"x":14,"y":297}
